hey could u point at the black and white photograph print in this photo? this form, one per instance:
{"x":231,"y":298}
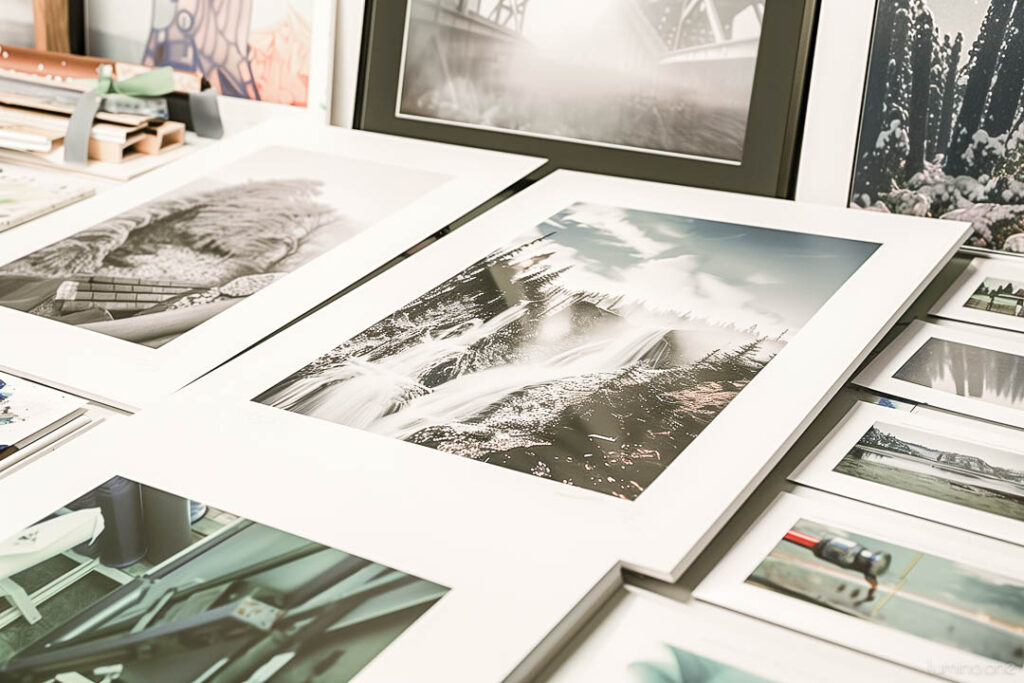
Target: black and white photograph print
{"x":591,"y":350}
{"x":134,"y":583}
{"x":940,"y":467}
{"x":942,"y":131}
{"x":663,"y":76}
{"x":157,"y":271}
{"x":966,"y":370}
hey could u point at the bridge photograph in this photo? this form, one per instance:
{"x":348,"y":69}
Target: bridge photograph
{"x":665,"y":76}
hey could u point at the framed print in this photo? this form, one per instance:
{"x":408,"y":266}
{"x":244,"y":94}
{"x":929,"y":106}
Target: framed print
{"x":156,"y":283}
{"x":241,"y":561}
{"x":953,"y":367}
{"x":989,"y":292}
{"x":706,"y":94}
{"x":941,"y":600}
{"x":961,"y":472}
{"x":913,"y":109}
{"x":574,"y":342}
{"x":281,"y":52}
{"x":643,"y":637}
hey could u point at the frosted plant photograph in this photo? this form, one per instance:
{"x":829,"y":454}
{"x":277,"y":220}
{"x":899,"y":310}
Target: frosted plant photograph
{"x":666,"y":76}
{"x":136,"y":580}
{"x":156,"y":271}
{"x":942,"y":132}
{"x":943,"y":468}
{"x":992,"y":376}
{"x":932,"y":597}
{"x":685,"y":667}
{"x":591,"y":350}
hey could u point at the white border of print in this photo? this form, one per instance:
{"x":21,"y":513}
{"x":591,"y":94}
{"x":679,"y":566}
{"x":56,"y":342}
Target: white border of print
{"x":129,"y":375}
{"x":879,"y":374}
{"x":951,"y":305}
{"x":666,"y":527}
{"x":509,"y":587}
{"x":818,"y":470}
{"x":641,"y":624}
{"x":726,"y":584}
{"x":834,"y":101}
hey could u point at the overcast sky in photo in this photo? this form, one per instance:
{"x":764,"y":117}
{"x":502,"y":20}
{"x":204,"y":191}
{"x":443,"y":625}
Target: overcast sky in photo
{"x":730,"y":273}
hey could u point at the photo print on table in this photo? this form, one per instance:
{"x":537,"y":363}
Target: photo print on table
{"x":591,"y":350}
{"x":925,"y":595}
{"x":953,"y":367}
{"x":995,"y":295}
{"x":153,"y":273}
{"x":940,"y":467}
{"x":941,"y":133}
{"x":138,"y":580}
{"x":631,"y":75}
{"x":28,"y":410}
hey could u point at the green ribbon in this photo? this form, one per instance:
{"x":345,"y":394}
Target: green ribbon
{"x":153,"y":83}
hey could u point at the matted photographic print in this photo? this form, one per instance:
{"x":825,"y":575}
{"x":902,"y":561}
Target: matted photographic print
{"x":937,"y":130}
{"x":965,"y":369}
{"x":591,"y":350}
{"x":27,"y":193}
{"x":966,"y":607}
{"x":941,"y":600}
{"x":644,"y":637}
{"x":611,"y":72}
{"x":154,"y":284}
{"x":157,"y":271}
{"x":989,"y":292}
{"x":136,"y":580}
{"x":28,"y":410}
{"x":952,"y":470}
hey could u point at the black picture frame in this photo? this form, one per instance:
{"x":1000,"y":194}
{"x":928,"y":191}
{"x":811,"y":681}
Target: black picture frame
{"x":767,"y":166}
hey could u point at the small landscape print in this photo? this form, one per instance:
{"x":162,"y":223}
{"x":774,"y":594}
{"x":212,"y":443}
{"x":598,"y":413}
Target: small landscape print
{"x":664,"y":76}
{"x":946,"y":602}
{"x":941,"y":134}
{"x":686,"y":667}
{"x":970,"y":371}
{"x":157,"y":271}
{"x":134,"y":580}
{"x":998,"y":296}
{"x":591,"y":351}
{"x":943,"y":468}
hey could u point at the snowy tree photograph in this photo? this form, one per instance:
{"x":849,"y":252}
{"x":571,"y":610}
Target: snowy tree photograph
{"x":942,"y":128}
{"x":592,"y":350}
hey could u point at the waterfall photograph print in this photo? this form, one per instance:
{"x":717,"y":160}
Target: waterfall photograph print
{"x":940,"y":467}
{"x":946,"y":602}
{"x":590,"y":351}
{"x":942,"y":131}
{"x":160,"y":269}
{"x":661,"y":75}
{"x":156,"y":587}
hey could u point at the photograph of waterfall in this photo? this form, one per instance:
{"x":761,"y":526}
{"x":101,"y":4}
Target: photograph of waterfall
{"x":591,"y":350}
{"x":941,"y":130}
{"x":662,"y":75}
